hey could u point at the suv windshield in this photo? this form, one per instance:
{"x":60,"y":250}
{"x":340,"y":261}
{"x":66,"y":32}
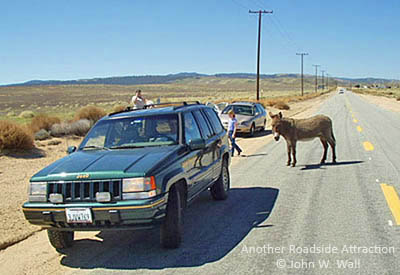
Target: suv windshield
{"x":133,"y":132}
{"x":244,"y":110}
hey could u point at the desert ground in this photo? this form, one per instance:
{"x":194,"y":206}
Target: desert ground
{"x":16,"y":170}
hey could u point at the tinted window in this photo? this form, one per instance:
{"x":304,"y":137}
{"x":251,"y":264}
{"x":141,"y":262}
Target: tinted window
{"x":207,"y":120}
{"x":192,"y":131}
{"x":260,"y":108}
{"x":134,"y":132}
{"x":205,"y":130}
{"x":214,"y":119}
{"x":244,"y":110}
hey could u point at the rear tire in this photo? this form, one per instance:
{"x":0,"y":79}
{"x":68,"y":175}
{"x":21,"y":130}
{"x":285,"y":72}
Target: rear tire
{"x":219,"y":190}
{"x":171,"y":230}
{"x":264,"y":128}
{"x":60,"y":239}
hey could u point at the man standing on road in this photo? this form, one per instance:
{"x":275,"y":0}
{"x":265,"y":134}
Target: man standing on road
{"x":232,"y":127}
{"x":138,"y":101}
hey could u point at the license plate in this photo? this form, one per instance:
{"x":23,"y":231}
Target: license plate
{"x":78,"y":215}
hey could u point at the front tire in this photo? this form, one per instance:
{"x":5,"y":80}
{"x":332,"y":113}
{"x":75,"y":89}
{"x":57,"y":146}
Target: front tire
{"x":172,"y":229}
{"x":219,"y":190}
{"x":252,"y":130}
{"x":60,"y":239}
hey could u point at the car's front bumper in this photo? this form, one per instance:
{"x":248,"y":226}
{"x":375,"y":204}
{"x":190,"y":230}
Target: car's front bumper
{"x":106,"y":216}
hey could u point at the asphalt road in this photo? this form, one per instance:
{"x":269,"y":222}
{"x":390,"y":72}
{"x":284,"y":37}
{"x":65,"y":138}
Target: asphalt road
{"x":311,"y":219}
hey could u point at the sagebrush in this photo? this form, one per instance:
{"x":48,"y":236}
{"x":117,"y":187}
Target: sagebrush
{"x":91,"y":113}
{"x":14,"y":136}
{"x":43,"y":121}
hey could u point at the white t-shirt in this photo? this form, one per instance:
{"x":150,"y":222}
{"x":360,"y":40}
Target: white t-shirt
{"x":140,"y":102}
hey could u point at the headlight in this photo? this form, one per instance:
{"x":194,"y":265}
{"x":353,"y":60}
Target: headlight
{"x":37,"y":192}
{"x":138,"y":188}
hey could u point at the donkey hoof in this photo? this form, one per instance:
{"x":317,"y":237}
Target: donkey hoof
{"x":293,"y":164}
{"x":334,"y":161}
{"x":322,"y":162}
{"x":288,"y":164}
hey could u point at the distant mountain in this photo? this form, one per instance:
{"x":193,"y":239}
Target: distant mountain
{"x":163,"y":79}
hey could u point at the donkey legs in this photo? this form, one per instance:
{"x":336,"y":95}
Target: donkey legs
{"x":325,"y":144}
{"x":289,"y":151}
{"x":294,"y":154}
{"x":332,"y":143}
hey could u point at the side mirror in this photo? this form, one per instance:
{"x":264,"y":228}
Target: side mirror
{"x":197,"y":144}
{"x":71,"y":149}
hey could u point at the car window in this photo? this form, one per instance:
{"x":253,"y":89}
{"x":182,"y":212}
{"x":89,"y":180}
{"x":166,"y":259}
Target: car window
{"x":214,"y":119}
{"x":205,"y":130}
{"x":259,"y":108}
{"x":134,"y":132}
{"x":191,"y":130}
{"x":244,"y":110}
{"x":207,"y":120}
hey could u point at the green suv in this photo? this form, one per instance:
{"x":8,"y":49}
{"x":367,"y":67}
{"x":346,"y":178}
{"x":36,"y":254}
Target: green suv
{"x":135,"y":169}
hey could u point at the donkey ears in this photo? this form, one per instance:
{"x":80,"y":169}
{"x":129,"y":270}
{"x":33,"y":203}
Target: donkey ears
{"x":280,"y":114}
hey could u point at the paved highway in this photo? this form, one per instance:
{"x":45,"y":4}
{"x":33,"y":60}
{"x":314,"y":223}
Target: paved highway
{"x":311,"y":219}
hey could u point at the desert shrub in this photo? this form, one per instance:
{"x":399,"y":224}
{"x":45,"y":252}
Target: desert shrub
{"x":10,"y":114}
{"x":60,"y":129}
{"x":79,"y":128}
{"x":42,"y":134}
{"x":398,"y":98}
{"x":91,"y":113}
{"x":119,"y":108}
{"x":14,"y":136}
{"x":43,"y":121}
{"x":281,"y":105}
{"x":26,"y":114}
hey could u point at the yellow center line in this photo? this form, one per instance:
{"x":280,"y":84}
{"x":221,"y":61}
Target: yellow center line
{"x":359,"y":128}
{"x":355,"y":120}
{"x":392,"y":200}
{"x":368,"y":146}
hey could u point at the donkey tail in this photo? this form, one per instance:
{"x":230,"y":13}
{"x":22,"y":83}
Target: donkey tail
{"x":333,"y":137}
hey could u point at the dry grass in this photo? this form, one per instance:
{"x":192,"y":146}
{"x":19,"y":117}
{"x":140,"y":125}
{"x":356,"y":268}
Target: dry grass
{"x":14,"y":136}
{"x":391,"y":93}
{"x":26,"y":114}
{"x":118,"y":108}
{"x":281,"y":105}
{"x":91,"y":113}
{"x":43,"y":121}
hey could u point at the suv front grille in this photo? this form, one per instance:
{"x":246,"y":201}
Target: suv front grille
{"x":78,"y":191}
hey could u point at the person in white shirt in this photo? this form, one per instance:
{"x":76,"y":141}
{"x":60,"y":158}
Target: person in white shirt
{"x":138,"y":101}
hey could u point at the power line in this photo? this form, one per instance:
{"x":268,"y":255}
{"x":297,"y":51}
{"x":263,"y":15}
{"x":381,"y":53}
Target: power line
{"x":323,"y":79}
{"x":302,"y":74}
{"x":316,"y":76}
{"x":260,"y":13}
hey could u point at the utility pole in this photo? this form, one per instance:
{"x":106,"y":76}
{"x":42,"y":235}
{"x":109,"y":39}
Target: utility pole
{"x":260,"y":13}
{"x":302,"y":74}
{"x":323,"y":79}
{"x":316,"y":77}
{"x":327,"y":81}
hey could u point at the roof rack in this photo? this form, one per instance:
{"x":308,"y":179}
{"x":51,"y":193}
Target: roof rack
{"x":243,"y":101}
{"x":176,"y":105}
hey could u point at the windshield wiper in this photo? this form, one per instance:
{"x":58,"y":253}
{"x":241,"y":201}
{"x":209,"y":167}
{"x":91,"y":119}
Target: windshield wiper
{"x":95,"y":147}
{"x":127,"y":147}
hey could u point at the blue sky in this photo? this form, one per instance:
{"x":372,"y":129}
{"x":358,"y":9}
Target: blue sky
{"x":84,"y":39}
